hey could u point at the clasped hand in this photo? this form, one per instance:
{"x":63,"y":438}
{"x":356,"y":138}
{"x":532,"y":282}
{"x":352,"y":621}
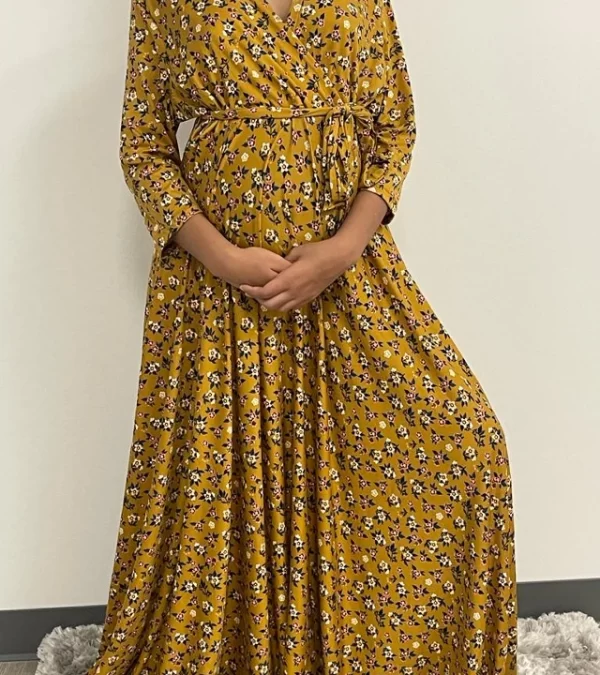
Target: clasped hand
{"x":286,"y":283}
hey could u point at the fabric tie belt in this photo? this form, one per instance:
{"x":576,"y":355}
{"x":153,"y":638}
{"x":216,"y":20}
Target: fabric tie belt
{"x":336,"y":145}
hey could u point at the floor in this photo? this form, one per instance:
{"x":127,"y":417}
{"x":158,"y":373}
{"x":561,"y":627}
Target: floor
{"x":18,"y":667}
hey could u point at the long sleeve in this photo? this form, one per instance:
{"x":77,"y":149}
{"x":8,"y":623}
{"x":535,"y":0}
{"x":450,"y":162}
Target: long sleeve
{"x":394,"y":129}
{"x":148,"y":149}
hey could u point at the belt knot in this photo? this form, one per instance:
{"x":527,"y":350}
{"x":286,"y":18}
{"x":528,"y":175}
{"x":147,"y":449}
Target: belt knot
{"x":336,"y":151}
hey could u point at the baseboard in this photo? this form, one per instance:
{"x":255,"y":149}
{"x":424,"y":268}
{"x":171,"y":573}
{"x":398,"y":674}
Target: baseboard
{"x":4,"y":658}
{"x":566,"y":595}
{"x":22,"y":630}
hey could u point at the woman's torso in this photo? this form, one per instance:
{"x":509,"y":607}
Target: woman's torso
{"x":273,"y":178}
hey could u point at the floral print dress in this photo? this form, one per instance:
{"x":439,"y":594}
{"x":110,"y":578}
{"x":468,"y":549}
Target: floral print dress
{"x":324,"y":491}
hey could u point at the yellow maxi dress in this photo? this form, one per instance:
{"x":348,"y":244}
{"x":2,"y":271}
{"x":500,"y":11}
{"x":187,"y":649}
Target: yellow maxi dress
{"x":324,"y":491}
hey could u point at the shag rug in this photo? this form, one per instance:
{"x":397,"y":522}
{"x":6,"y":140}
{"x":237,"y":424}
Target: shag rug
{"x":554,"y":644}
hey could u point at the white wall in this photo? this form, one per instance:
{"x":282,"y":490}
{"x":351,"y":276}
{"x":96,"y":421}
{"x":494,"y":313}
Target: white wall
{"x":499,"y":226}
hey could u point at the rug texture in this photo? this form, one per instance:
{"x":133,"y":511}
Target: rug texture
{"x":553,"y":644}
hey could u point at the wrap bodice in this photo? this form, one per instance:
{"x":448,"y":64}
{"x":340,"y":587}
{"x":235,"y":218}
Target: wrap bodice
{"x":334,"y":68}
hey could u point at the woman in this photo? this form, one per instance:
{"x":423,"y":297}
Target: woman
{"x":317,"y":482}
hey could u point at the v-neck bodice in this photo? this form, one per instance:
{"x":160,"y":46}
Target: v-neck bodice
{"x":230,"y":53}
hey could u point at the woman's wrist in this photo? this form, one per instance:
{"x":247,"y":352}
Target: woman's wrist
{"x":222,"y":257}
{"x":348,"y":246}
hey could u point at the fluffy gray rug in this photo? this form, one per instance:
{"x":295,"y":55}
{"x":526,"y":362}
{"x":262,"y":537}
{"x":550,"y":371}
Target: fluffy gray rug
{"x":68,"y":651}
{"x":554,"y":644}
{"x":559,"y":644}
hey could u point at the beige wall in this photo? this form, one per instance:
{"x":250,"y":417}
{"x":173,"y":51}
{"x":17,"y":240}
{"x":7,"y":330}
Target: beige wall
{"x":499,"y":226}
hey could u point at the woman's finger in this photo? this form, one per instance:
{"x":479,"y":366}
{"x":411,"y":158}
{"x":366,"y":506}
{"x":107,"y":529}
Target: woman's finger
{"x":279,"y":284}
{"x":279,"y":264}
{"x":277,"y":301}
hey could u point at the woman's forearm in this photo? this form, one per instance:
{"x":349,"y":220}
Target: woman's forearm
{"x":361,"y":223}
{"x":201,"y":238}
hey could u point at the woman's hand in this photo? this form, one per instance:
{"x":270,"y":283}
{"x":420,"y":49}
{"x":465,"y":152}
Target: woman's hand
{"x":313,"y":266}
{"x":248,"y":265}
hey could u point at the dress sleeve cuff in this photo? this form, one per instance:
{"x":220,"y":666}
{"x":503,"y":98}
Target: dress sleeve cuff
{"x":164,"y":237}
{"x":390,"y":194}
